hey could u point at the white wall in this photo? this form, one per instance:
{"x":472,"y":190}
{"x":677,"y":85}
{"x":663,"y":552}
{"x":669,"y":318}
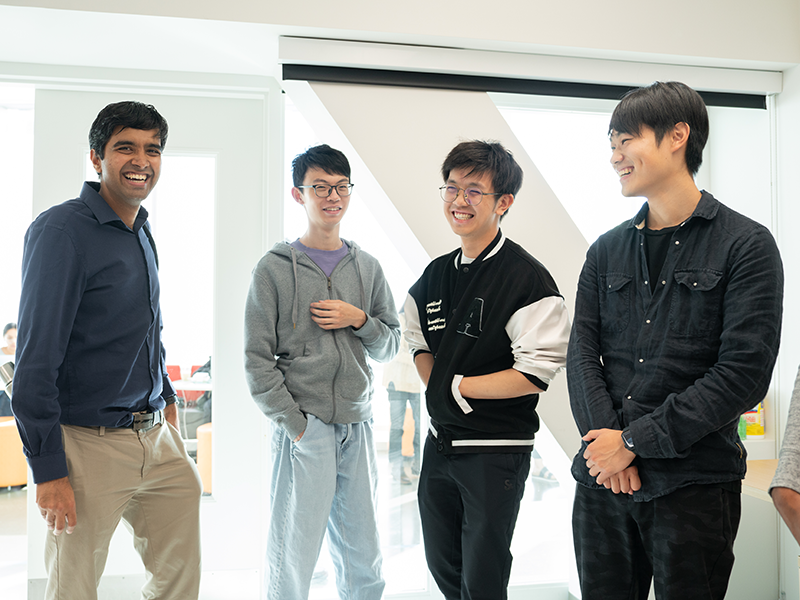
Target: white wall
{"x":716,"y":30}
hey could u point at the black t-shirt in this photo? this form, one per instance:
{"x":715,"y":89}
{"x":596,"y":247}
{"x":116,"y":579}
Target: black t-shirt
{"x":656,"y":245}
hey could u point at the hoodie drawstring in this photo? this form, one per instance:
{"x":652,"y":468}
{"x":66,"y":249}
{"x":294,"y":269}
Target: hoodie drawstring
{"x":296,"y":291}
{"x":360,"y":281}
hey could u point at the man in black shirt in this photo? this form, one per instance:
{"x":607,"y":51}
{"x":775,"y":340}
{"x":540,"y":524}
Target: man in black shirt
{"x":676,"y":331}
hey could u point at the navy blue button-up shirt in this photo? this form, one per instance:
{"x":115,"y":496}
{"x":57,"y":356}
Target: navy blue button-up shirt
{"x":89,"y":331}
{"x":681,"y":363}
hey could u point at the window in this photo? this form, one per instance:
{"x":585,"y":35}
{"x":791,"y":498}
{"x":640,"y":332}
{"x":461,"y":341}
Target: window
{"x":181,"y":214}
{"x":16,"y":199}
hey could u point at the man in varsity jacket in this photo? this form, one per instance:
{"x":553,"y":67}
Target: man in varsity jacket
{"x":488,"y":330}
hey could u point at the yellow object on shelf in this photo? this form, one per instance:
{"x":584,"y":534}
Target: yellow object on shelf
{"x":755,"y":422}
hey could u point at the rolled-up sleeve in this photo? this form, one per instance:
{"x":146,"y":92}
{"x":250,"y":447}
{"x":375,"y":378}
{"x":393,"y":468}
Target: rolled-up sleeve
{"x":788,"y":473}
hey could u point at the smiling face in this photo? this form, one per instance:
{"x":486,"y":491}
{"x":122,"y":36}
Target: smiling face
{"x":129,"y":169}
{"x":476,"y":225}
{"x":645,"y":166}
{"x":324,"y":214}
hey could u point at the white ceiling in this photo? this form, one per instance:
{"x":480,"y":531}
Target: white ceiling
{"x":112,"y":40}
{"x":78,"y":38}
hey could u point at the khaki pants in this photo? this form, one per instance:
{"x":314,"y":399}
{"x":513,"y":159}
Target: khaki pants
{"x":147,"y":480}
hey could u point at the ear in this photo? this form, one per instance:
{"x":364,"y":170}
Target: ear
{"x":680,"y":136}
{"x":298,"y":196}
{"x":503,"y":204}
{"x":96,"y":162}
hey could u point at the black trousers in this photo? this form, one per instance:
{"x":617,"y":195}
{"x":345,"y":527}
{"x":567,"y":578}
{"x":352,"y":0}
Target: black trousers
{"x":682,"y":541}
{"x":468,"y":504}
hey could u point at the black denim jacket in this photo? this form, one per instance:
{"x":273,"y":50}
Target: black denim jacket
{"x":680,"y":364}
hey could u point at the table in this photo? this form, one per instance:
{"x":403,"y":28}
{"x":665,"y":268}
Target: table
{"x":759,"y":476}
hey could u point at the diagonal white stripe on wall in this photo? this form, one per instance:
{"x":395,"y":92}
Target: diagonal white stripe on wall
{"x":402,"y":136}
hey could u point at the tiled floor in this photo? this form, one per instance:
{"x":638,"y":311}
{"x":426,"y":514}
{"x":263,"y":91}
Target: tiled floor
{"x":541,"y":545}
{"x":13,"y":544}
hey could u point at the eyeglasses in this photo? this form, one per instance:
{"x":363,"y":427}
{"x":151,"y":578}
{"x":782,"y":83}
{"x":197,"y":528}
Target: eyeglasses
{"x":472,"y":196}
{"x":323,"y":191}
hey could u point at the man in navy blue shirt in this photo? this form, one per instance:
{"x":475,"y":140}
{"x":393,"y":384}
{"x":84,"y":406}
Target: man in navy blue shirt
{"x":93,"y":402}
{"x":676,"y":331}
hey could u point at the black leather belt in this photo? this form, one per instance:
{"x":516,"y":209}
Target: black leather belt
{"x":145,"y":421}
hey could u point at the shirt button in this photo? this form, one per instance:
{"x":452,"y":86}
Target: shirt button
{"x":663,"y":282}
{"x":648,"y":321}
{"x":641,"y":360}
{"x":629,"y":397}
{"x":466,"y":269}
{"x":645,"y":283}
{"x":677,"y":242}
{"x":695,"y":284}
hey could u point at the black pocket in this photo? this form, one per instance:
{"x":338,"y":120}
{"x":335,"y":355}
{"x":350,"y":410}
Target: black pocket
{"x":615,"y":301}
{"x":696,"y":302}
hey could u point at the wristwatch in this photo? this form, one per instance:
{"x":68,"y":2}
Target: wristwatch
{"x":627,"y":439}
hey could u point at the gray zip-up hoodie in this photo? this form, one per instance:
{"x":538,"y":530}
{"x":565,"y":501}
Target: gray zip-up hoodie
{"x":294,"y":366}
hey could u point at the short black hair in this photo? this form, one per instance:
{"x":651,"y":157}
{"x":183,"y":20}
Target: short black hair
{"x":330,"y":160}
{"x":127,"y":114}
{"x":9,"y":327}
{"x":660,"y":106}
{"x":486,"y":157}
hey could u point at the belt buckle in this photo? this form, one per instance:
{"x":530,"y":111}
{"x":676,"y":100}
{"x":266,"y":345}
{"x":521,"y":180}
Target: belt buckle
{"x":145,"y":421}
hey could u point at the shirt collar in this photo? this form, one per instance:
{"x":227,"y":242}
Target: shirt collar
{"x":90,"y":194}
{"x":707,"y":209}
{"x":488,"y":252}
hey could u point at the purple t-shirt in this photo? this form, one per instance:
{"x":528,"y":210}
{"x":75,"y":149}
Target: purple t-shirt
{"x":324,"y":259}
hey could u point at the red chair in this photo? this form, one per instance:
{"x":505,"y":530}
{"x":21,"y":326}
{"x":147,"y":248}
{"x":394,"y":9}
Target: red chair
{"x":174,"y":372}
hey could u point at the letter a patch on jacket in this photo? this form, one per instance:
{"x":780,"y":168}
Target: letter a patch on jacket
{"x":472,"y":323}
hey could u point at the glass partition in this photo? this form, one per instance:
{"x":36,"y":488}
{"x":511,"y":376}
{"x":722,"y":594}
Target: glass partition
{"x":181,"y":214}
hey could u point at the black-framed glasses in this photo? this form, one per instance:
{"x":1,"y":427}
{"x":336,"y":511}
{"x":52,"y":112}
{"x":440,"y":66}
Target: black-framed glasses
{"x":323,"y":191}
{"x":472,"y":196}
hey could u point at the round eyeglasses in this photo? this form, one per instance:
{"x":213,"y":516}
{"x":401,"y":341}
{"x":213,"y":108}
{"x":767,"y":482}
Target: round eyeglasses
{"x":472,"y":196}
{"x":323,"y":191}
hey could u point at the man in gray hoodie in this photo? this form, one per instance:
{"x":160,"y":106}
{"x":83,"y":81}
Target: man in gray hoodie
{"x":317,"y":309}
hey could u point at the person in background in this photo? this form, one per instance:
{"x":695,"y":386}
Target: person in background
{"x":785,"y":486}
{"x":7,"y":352}
{"x":488,"y":329}
{"x":676,"y":331}
{"x":402,"y":386}
{"x":317,"y":308}
{"x":93,"y":402}
{"x":10,"y":343}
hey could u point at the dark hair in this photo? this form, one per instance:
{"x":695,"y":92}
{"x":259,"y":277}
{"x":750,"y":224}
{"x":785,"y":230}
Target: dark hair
{"x":128,"y":114}
{"x":479,"y":158}
{"x":660,"y":106}
{"x":9,"y":327}
{"x":330,"y":160}
{"x":482,"y":158}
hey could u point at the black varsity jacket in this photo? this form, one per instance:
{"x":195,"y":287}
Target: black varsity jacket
{"x":500,"y":311}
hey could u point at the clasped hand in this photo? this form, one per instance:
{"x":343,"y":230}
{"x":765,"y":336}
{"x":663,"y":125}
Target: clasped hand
{"x":336,"y":314}
{"x":608,"y":460}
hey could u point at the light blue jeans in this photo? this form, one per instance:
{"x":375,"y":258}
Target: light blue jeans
{"x":327,"y":479}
